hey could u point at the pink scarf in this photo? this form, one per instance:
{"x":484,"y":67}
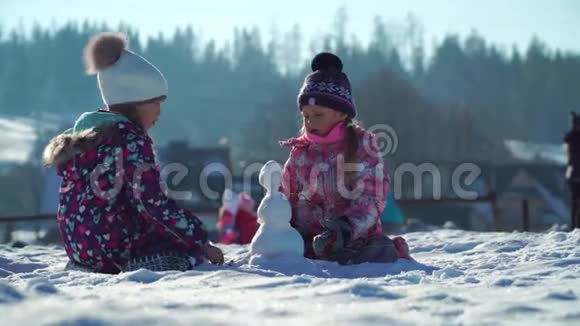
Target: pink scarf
{"x":334,"y":136}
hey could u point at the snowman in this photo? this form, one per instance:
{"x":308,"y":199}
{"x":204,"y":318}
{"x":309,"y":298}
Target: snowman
{"x":275,"y":236}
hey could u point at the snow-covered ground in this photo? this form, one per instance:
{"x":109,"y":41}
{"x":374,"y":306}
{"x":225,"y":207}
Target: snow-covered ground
{"x":462,"y":278}
{"x":19,"y":135}
{"x":528,"y":152}
{"x":17,"y":140}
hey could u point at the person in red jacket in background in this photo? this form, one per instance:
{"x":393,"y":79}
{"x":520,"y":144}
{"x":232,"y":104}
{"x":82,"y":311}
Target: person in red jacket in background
{"x":237,"y":220}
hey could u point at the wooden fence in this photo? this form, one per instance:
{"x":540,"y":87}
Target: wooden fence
{"x":209,"y":215}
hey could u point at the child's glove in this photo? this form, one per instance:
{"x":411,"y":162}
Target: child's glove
{"x":333,"y":239}
{"x":213,"y":254}
{"x":402,"y":248}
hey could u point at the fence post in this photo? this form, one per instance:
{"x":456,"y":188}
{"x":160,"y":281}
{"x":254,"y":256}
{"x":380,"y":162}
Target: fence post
{"x":8,"y":233}
{"x":526,"y":214}
{"x":494,"y":210}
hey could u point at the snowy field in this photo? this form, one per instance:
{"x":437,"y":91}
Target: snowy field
{"x":462,"y":278}
{"x":19,"y":135}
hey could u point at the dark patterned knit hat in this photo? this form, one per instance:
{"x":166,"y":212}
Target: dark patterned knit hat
{"x":327,"y":86}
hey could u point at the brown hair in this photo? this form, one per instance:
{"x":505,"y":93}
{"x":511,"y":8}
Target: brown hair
{"x":350,"y":141}
{"x":129,"y":110}
{"x":350,"y":146}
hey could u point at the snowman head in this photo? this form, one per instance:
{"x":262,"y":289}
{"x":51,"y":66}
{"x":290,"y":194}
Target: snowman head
{"x":271,"y":176}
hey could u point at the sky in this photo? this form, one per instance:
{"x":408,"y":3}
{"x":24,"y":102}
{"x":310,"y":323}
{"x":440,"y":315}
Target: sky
{"x":504,"y":23}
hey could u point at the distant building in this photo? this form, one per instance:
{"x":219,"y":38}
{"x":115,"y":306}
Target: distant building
{"x":542,"y":185}
{"x":208,"y":171}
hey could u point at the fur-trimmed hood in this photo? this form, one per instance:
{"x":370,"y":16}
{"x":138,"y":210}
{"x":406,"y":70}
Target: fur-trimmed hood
{"x":88,"y":132}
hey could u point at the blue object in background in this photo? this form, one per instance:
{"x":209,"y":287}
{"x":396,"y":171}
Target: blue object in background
{"x":392,"y":213}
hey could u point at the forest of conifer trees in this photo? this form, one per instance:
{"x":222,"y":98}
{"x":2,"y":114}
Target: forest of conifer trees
{"x":455,"y":101}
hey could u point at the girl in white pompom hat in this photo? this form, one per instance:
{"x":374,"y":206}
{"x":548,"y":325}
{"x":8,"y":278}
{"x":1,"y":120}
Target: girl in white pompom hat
{"x":113,"y":214}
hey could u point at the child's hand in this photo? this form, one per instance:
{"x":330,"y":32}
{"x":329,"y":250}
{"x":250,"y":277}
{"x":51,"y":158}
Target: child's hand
{"x":333,"y":239}
{"x":214,"y":254}
{"x":326,"y":243}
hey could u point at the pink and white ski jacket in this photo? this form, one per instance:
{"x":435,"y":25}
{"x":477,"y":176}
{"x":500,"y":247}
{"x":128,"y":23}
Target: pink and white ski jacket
{"x":314,"y":182}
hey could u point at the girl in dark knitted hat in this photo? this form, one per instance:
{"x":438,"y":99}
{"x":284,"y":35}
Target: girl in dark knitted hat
{"x":335,"y":178}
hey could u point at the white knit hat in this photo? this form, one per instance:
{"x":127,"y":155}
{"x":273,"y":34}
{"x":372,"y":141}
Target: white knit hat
{"x":123,"y":76}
